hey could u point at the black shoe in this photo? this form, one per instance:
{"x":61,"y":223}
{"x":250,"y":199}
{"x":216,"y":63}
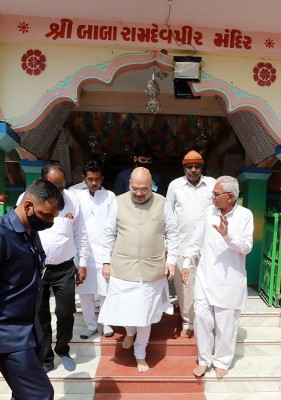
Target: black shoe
{"x":48,"y":367}
{"x":89,"y":334}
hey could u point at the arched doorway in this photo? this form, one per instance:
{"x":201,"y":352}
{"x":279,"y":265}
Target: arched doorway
{"x":98,"y":90}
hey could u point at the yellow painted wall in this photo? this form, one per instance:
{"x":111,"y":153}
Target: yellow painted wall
{"x":19,"y":92}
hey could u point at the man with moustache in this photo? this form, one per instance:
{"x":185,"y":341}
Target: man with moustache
{"x":189,"y":196}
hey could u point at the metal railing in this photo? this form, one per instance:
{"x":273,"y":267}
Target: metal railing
{"x":270,"y":268}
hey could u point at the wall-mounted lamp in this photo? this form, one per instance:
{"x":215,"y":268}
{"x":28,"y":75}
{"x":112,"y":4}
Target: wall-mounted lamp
{"x":186,"y":69}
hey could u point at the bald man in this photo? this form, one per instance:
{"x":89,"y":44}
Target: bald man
{"x":139,"y":226}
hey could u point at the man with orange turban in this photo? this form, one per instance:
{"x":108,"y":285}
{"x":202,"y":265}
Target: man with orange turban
{"x":189,"y":196}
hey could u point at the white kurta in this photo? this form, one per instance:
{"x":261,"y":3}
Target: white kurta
{"x":67,"y":238}
{"x":188,"y":203}
{"x":137,"y":303}
{"x":95,"y":210}
{"x":221,"y":271}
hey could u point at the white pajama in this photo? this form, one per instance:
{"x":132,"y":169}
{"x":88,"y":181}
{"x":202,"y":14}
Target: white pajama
{"x":87,"y":302}
{"x":216,"y":332}
{"x":142,"y":338}
{"x":185,"y":294}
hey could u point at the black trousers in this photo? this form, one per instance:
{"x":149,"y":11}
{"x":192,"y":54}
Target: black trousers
{"x":25,"y":375}
{"x":61,"y":279}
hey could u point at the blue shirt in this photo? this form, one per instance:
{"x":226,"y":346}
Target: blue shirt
{"x":20,"y":284}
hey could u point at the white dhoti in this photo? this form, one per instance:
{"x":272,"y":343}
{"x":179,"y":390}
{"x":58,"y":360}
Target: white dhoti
{"x":135,"y":303}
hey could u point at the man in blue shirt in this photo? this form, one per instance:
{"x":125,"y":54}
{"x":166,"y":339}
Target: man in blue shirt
{"x":21,"y":269}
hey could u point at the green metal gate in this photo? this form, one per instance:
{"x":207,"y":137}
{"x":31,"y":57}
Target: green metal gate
{"x":270,"y":270}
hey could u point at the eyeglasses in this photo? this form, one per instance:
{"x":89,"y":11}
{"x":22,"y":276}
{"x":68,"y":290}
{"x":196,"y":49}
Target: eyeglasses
{"x":142,"y":190}
{"x":216,"y":194}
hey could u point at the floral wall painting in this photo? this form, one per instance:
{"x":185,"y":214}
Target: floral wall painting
{"x":264,"y":74}
{"x":33,"y":62}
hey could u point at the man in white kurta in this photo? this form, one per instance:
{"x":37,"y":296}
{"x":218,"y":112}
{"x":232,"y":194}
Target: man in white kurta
{"x":139,"y":230}
{"x":223,"y":238}
{"x":189,"y":197}
{"x":95,"y":202}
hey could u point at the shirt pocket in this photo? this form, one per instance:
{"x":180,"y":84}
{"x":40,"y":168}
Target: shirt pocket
{"x":64,"y":226}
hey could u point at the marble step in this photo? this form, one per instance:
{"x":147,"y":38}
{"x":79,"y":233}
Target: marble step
{"x":80,"y":381}
{"x":258,"y":341}
{"x":250,"y":341}
{"x":152,"y":396}
{"x":243,"y":396}
{"x":256,"y":314}
{"x":255,"y":346}
{"x":127,"y":396}
{"x":69,"y":396}
{"x":248,"y":375}
{"x":261,"y":340}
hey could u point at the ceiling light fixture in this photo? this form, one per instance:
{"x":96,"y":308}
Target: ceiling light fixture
{"x":153,"y":90}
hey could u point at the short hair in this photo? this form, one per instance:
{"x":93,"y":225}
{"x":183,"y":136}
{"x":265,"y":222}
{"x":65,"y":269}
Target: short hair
{"x":43,"y":190}
{"x":229,"y":184}
{"x":142,"y":149}
{"x":52,"y":166}
{"x":93,"y":166}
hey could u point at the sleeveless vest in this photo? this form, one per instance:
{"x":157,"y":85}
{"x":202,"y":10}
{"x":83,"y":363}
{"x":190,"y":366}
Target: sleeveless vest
{"x":139,"y":251}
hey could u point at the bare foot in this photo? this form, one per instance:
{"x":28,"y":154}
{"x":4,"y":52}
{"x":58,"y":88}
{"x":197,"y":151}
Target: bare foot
{"x":220,"y":372}
{"x":128,"y":342}
{"x":200,"y":370}
{"x":142,"y":365}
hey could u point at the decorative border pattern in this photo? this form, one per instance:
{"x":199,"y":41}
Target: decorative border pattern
{"x":70,"y":89}
{"x":238,"y":100}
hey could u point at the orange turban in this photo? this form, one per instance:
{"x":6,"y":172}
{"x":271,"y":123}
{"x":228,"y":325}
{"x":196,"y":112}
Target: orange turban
{"x":192,"y":157}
